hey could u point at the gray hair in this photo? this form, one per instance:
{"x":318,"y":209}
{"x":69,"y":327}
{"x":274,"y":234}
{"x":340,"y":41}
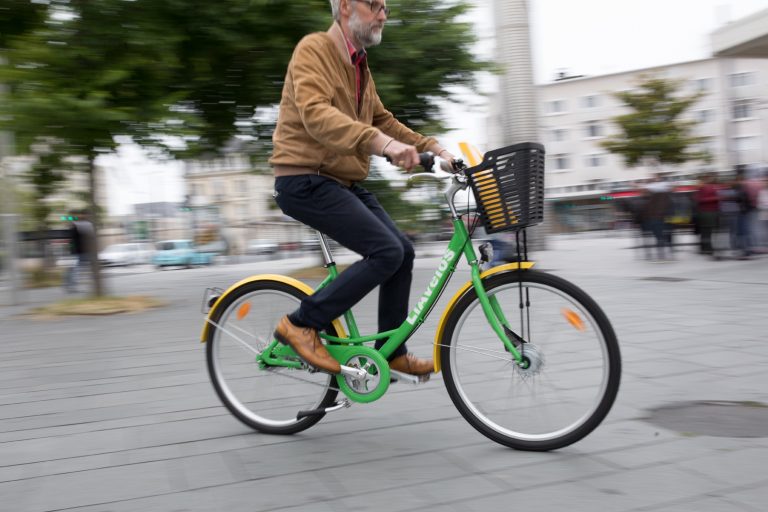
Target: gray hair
{"x":335,"y":9}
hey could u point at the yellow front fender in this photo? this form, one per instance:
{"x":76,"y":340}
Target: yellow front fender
{"x":267,"y":277}
{"x":449,"y":308}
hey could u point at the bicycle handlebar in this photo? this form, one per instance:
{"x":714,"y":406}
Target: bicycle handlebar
{"x":427,"y":161}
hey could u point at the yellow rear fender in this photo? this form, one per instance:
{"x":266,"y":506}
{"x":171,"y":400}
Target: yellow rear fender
{"x":266,"y":277}
{"x":509,"y":267}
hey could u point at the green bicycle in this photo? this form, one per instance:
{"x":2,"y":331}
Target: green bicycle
{"x":529,"y":359}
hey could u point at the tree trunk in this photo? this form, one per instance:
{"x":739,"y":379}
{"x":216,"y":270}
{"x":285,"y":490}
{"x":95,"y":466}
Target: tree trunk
{"x":93,"y":247}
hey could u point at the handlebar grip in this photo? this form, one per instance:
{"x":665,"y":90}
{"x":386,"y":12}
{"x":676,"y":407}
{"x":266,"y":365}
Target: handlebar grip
{"x":426,"y":160}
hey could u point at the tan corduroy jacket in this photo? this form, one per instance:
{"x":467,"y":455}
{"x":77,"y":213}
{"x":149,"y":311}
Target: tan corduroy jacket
{"x":319,"y":128}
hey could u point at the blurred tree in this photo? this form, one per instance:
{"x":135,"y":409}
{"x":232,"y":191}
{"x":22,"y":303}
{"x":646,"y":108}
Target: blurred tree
{"x":19,"y":16}
{"x":187,"y":76}
{"x":425,"y":54}
{"x":403,"y":212}
{"x":653,"y":130}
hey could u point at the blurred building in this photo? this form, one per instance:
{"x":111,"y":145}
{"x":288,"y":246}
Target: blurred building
{"x":575,"y":114}
{"x":232,"y":199}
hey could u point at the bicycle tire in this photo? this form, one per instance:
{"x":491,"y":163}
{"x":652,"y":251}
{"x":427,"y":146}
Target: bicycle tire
{"x":568,"y":336}
{"x":244,"y":322}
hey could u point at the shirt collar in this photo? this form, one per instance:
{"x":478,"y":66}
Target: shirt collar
{"x":355,"y":55}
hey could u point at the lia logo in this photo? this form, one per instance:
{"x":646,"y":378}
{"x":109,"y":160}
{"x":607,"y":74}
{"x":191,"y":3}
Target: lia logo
{"x":447,"y":257}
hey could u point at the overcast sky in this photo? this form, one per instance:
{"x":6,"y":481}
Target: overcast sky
{"x":594,"y":37}
{"x":587,"y":37}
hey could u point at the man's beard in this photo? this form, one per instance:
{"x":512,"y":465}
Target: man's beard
{"x":365,"y":34}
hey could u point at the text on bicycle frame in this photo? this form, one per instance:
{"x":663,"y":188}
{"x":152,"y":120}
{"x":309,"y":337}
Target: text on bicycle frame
{"x":447,"y":258}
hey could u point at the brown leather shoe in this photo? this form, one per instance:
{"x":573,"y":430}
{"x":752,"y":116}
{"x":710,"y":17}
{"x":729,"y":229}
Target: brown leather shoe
{"x":307,"y":344}
{"x":412,"y":365}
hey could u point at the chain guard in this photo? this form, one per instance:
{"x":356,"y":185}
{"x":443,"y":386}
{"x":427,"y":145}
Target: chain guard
{"x":374,"y":385}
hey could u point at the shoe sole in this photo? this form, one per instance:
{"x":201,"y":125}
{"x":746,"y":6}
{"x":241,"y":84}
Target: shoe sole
{"x":282,"y":339}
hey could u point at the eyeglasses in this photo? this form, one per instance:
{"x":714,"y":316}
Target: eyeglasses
{"x":376,"y":6}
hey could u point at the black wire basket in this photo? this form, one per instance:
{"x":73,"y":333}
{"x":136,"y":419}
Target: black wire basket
{"x":509,"y":187}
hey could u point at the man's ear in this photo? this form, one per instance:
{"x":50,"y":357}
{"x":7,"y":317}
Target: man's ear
{"x":345,"y":7}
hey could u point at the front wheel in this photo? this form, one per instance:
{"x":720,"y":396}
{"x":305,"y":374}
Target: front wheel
{"x":266,"y":398}
{"x":572,"y":363}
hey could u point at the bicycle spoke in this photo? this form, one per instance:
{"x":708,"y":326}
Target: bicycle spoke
{"x":562,"y":390}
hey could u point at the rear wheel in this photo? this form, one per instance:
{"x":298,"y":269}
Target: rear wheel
{"x":572,"y":363}
{"x":266,"y":399}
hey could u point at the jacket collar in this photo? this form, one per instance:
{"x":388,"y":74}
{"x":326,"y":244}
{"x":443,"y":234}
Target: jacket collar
{"x":341,"y":43}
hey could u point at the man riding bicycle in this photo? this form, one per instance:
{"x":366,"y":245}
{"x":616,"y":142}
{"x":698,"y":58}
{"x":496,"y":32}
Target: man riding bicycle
{"x":330,"y":121}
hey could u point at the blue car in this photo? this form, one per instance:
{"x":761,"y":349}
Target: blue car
{"x":174,"y":253}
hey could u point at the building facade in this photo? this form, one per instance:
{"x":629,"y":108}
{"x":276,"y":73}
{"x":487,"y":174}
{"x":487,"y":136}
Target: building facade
{"x":229,"y":200}
{"x":576,"y":116}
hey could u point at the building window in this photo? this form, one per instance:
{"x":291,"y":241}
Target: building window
{"x":594,"y":129}
{"x":561,"y":162}
{"x":559,"y":134}
{"x":556,"y":107}
{"x":745,"y":143}
{"x":742,"y":79}
{"x":742,"y":109}
{"x":590,"y":101}
{"x":218,"y":191}
{"x":242,"y":187}
{"x":594,"y":160}
{"x":702,"y":84}
{"x":705,"y":116}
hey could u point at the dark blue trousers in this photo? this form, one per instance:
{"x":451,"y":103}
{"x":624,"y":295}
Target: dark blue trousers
{"x":354,"y":218}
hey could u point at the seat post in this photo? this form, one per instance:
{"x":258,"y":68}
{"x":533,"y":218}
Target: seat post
{"x":325,"y":248}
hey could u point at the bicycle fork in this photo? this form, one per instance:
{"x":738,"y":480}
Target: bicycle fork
{"x":497,"y":320}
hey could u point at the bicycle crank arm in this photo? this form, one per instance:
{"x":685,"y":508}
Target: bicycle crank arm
{"x":316,"y":412}
{"x":395,"y":376}
{"x":355,"y":373}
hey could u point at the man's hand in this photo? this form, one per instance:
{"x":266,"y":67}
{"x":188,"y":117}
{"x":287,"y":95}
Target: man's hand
{"x":402,"y":155}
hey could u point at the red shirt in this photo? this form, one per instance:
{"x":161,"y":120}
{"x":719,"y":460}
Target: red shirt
{"x":360,"y":61}
{"x":707,"y":198}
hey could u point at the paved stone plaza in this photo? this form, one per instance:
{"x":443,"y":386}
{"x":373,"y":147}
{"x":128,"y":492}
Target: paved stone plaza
{"x":117,"y":413}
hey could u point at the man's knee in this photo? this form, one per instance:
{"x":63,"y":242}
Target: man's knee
{"x":389,"y":258}
{"x":408,"y":254}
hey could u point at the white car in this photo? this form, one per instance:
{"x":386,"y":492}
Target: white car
{"x":133,"y":253}
{"x":261,"y":246}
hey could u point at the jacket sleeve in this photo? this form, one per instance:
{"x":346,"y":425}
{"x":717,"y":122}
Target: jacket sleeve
{"x":313,"y":90}
{"x":387,"y":123}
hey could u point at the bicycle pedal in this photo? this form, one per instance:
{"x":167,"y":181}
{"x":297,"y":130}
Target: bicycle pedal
{"x":395,"y":376}
{"x":323,"y":410}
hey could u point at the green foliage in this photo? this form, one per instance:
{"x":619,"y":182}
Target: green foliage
{"x":17,"y":17}
{"x":403,"y":212}
{"x":90,"y":70}
{"x":424,"y":54}
{"x":187,"y":76}
{"x":653,"y":130}
{"x":45,"y":176}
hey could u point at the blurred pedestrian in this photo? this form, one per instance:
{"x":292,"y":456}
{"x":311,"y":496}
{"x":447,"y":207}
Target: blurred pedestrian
{"x":753,"y":184}
{"x":81,"y":240}
{"x":746,"y":206}
{"x":658,"y":207}
{"x":761,"y":232}
{"x":707,"y":205}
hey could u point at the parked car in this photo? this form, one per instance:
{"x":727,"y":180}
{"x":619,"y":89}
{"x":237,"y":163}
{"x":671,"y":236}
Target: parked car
{"x":261,"y":246}
{"x":216,"y":247}
{"x":133,"y":253}
{"x":171,"y":253}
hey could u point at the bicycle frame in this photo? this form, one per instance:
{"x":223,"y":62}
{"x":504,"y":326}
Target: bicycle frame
{"x":458,"y":245}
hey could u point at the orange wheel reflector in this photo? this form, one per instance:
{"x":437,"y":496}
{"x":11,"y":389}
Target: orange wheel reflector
{"x":243,"y":310}
{"x":574,"y":319}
